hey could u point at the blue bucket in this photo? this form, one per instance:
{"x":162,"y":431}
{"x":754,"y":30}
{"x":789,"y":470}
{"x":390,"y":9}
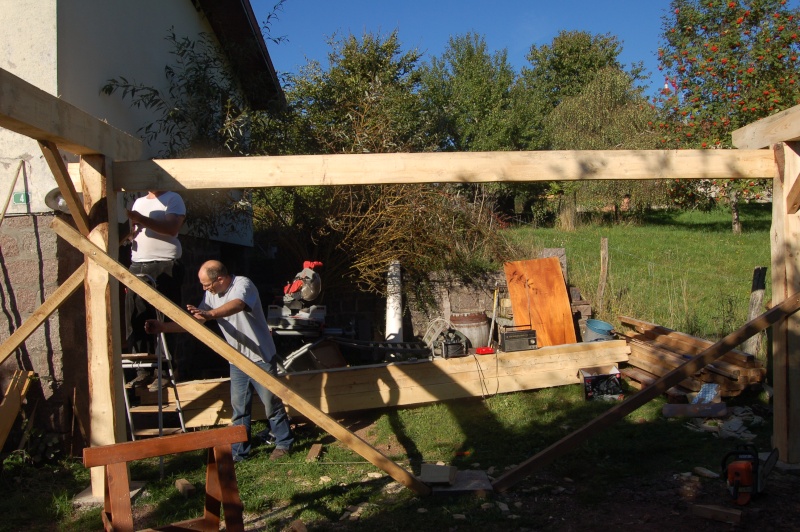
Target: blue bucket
{"x":597,"y":330}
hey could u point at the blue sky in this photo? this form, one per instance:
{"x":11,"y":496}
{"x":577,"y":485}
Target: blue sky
{"x":427,"y":25}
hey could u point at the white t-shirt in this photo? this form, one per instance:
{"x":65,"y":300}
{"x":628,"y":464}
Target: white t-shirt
{"x":149,"y":245}
{"x":246,"y":331}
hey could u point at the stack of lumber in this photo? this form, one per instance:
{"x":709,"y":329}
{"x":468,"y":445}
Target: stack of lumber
{"x":656,"y":350}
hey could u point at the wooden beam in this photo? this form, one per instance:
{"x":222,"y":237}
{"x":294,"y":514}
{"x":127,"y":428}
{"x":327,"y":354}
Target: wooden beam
{"x":222,"y":348}
{"x":30,"y":111}
{"x":780,"y":127}
{"x":44,"y":311}
{"x":12,"y":401}
{"x":785,"y":234}
{"x":793,"y":197}
{"x":451,"y":167}
{"x":59,"y":169}
{"x":571,"y":441}
{"x":106,"y":415}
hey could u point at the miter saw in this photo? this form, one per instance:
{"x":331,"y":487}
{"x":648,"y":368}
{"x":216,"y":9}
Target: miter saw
{"x":298,"y":316}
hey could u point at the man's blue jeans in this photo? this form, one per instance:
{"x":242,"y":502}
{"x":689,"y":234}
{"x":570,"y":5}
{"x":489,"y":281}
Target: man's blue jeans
{"x":242,"y":387}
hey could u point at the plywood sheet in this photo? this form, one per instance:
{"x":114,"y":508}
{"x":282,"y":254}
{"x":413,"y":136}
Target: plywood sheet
{"x":539,"y":297}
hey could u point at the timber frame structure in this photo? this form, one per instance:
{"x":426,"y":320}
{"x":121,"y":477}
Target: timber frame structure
{"x":111,"y":162}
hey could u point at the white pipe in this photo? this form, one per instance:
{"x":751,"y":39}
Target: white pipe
{"x":394,"y":304}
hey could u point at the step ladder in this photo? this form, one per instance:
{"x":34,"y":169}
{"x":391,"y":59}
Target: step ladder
{"x":161,"y":362}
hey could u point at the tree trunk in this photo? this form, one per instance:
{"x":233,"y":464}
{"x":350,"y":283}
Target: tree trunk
{"x":736,"y":224}
{"x":567,"y":213}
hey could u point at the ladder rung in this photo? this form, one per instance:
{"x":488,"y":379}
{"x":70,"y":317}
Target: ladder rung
{"x":138,"y":356}
{"x":153,"y":409}
{"x":143,"y":433}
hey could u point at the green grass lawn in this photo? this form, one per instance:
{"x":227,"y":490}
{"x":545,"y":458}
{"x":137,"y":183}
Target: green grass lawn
{"x":683,"y":270}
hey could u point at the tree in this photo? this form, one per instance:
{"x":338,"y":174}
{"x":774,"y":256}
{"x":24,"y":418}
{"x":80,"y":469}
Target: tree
{"x":368,"y":100}
{"x":560,"y":71}
{"x":727,"y":63}
{"x":467,"y":92}
{"x":609,"y":113}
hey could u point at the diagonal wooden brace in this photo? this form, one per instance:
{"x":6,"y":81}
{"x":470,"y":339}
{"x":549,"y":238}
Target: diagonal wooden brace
{"x":233,"y":356}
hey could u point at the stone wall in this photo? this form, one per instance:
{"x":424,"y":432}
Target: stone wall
{"x":33,"y":263}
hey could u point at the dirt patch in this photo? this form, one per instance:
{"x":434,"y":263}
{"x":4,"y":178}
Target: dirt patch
{"x":666,"y":503}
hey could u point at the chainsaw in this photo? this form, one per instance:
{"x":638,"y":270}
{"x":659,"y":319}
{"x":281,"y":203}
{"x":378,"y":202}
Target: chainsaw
{"x":745,"y":474}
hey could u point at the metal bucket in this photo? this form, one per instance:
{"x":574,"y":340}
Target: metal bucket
{"x":472,"y":324}
{"x":597,"y":330}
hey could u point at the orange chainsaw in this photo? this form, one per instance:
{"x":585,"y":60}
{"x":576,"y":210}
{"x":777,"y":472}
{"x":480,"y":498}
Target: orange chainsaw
{"x":744,"y":472}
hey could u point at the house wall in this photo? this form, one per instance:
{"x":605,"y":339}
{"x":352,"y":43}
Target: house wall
{"x":69,"y":49}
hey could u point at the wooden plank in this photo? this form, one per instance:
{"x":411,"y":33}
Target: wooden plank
{"x":222,"y":348}
{"x":781,"y":430}
{"x":314,"y":452}
{"x":205,"y":402}
{"x":780,"y":127}
{"x":793,"y":197}
{"x":718,"y":513}
{"x":644,"y":377}
{"x":177,"y":443}
{"x":786,"y":366}
{"x":12,"y":401}
{"x":106,"y":413}
{"x":569,"y":442}
{"x":59,"y":169}
{"x":649,"y":359}
{"x":539,"y":298}
{"x":698,"y":410}
{"x":683,"y":343}
{"x":30,"y":111}
{"x":440,"y":167}
{"x":45,"y":310}
{"x":755,"y":307}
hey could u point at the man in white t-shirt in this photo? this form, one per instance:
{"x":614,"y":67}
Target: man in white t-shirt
{"x":155,"y":222}
{"x":233,"y":301}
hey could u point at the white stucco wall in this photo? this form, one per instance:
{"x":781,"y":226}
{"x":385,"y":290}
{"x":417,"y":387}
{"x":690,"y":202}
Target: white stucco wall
{"x":104,"y":39}
{"x":71,"y":48}
{"x":28,"y":50}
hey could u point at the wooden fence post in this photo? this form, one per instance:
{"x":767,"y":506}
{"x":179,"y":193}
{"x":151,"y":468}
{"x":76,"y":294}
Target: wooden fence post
{"x":753,"y":344}
{"x":601,"y":285}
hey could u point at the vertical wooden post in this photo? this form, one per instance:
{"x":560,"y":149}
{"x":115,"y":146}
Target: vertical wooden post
{"x":785,"y":235}
{"x":753,"y":344}
{"x":106,"y":408}
{"x":601,"y":285}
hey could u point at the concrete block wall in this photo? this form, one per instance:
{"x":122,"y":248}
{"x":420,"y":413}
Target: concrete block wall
{"x":33,"y":263}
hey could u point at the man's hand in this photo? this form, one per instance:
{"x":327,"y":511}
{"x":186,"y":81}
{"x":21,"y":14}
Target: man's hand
{"x":153,"y":327}
{"x":200,"y":315}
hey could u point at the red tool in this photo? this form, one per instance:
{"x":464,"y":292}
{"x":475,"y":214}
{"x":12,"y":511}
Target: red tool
{"x":744,"y":473}
{"x":484,"y":350}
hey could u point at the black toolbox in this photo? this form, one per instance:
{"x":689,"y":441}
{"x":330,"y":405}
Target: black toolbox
{"x":517,"y":338}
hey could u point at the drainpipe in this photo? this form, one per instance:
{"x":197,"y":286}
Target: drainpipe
{"x":394,"y":304}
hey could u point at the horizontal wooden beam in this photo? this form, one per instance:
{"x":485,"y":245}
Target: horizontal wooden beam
{"x":780,"y":127}
{"x":446,"y":167}
{"x":30,"y":111}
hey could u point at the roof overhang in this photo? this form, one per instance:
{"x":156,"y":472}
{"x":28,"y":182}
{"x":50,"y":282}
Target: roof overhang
{"x":237,"y":29}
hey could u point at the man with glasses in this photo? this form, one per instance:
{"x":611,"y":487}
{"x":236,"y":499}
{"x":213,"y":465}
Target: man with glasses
{"x":234,"y":302}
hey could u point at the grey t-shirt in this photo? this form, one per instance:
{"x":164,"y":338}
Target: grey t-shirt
{"x":245,"y":331}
